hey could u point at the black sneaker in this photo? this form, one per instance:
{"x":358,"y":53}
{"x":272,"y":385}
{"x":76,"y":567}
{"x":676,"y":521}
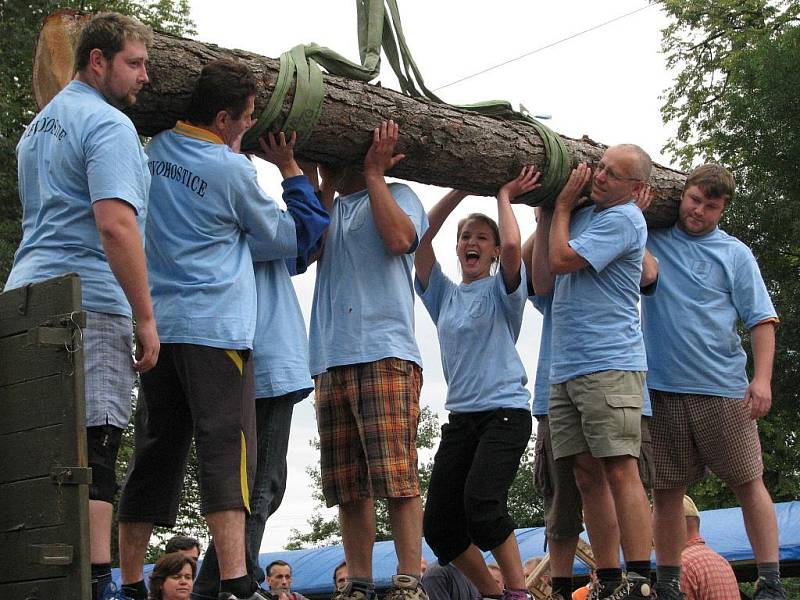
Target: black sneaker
{"x":769,"y":589}
{"x":601,"y":591}
{"x":668,"y":592}
{"x":632,"y":586}
{"x":638,"y":586}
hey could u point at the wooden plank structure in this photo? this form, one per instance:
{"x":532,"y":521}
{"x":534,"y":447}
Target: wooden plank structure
{"x":538,"y":582}
{"x":44,"y":475}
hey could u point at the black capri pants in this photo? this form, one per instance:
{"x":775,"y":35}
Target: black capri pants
{"x":473,"y":469}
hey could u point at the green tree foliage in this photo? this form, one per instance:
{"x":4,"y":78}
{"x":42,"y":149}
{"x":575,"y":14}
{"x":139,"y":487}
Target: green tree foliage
{"x":20,"y":21}
{"x":735,"y":101}
{"x":524,"y":504}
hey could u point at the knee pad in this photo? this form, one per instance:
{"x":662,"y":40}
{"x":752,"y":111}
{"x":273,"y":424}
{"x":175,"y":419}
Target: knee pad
{"x":103,"y":446}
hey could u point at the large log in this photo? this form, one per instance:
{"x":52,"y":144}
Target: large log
{"x":444,"y":145}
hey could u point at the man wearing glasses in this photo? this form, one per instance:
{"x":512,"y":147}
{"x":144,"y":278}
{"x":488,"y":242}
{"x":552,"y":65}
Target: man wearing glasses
{"x":598,"y":357}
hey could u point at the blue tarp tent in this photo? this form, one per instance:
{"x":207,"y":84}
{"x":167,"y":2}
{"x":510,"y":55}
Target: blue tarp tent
{"x":722,"y":529}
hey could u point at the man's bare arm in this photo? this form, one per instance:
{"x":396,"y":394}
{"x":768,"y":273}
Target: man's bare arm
{"x":542,"y":278}
{"x":563,"y":259}
{"x":759,"y":393}
{"x":394,"y":227}
{"x":119,"y":233}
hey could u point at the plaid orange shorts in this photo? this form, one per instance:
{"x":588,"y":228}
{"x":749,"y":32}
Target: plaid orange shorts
{"x":693,"y":433}
{"x":367,"y":416}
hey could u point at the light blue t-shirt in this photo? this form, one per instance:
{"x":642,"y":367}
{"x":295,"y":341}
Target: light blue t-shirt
{"x":209,"y":220}
{"x":78,"y":150}
{"x":478,"y":325}
{"x":595,"y":309}
{"x":541,"y":388}
{"x":707,"y":284}
{"x":280,"y":347}
{"x":364,"y":296}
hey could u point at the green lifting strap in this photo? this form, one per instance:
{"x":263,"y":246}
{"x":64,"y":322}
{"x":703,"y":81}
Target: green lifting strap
{"x":379,"y":27}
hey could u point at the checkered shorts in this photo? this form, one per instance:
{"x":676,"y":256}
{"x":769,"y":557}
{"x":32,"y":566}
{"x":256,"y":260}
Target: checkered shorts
{"x":693,"y":433}
{"x":108,"y":368}
{"x":367,"y":415}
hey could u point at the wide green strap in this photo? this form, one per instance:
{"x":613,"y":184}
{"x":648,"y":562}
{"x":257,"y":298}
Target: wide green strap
{"x":370,"y":23}
{"x":405,"y":52}
{"x":273,"y":107}
{"x":379,"y":27}
{"x":308,"y":95}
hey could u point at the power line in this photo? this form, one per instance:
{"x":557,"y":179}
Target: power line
{"x":550,"y":45}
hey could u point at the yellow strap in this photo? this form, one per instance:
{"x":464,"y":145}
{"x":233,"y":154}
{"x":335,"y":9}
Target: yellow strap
{"x":243,"y":475}
{"x":237,"y":360}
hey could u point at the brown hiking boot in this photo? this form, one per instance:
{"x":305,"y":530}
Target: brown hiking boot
{"x":405,"y":587}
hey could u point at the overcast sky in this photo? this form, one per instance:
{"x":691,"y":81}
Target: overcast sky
{"x":604,"y":83}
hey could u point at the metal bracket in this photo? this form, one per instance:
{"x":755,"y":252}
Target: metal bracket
{"x":71,"y":475}
{"x":49,"y":336}
{"x":22,"y":308}
{"x":72,"y":320}
{"x":51,"y":554}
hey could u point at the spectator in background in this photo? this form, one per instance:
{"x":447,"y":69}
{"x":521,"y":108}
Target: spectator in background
{"x":340,"y":575}
{"x":279,"y":579}
{"x":446,"y":582}
{"x":172,"y":577}
{"x":497,"y":574}
{"x":186,"y":545}
{"x":529,"y":566}
{"x":705,"y":575}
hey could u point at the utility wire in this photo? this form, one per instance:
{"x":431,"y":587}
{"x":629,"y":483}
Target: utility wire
{"x":557,"y":42}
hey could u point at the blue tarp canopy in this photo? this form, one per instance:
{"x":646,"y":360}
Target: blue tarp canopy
{"x":723,"y":530}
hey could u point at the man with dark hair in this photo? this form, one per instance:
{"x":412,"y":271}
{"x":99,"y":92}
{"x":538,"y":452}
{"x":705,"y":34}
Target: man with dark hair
{"x":282,"y":379}
{"x":83,"y":184}
{"x":704,"y":407}
{"x":366,"y":364}
{"x":340,"y":575}
{"x":209,"y":221}
{"x":279,"y":579}
{"x":183,"y":543}
{"x":598,"y":360}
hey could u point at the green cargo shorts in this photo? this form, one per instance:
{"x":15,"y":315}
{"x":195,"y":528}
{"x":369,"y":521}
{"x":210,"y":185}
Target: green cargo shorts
{"x":599,"y":413}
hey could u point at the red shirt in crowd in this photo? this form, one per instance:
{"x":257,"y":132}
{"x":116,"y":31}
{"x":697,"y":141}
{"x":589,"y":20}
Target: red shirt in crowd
{"x":705,"y":575}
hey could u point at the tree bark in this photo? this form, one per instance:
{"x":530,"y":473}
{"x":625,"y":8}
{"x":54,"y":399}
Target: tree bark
{"x":444,"y":145}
